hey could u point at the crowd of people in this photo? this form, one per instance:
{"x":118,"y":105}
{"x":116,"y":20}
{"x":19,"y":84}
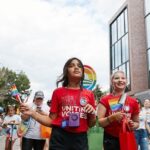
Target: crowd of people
{"x":72,"y":111}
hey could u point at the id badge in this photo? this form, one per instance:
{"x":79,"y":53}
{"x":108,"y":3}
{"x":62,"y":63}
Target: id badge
{"x":64,"y":123}
{"x":74,"y":119}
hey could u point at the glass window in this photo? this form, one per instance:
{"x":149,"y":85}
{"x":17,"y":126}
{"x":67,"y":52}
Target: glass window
{"x":147,"y":7}
{"x":149,"y":66}
{"x":119,"y":52}
{"x":114,"y":32}
{"x":128,"y":73}
{"x":148,"y":30}
{"x":115,"y":70}
{"x":116,"y":55}
{"x":123,"y":68}
{"x":120,"y":25}
{"x":126,"y":21}
{"x":113,"y":57}
{"x":125,"y":51}
{"x":149,"y":59}
{"x":119,"y":45}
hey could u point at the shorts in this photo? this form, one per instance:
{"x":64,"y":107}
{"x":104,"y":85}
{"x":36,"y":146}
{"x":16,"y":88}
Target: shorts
{"x":110,"y":142}
{"x":63,"y":140}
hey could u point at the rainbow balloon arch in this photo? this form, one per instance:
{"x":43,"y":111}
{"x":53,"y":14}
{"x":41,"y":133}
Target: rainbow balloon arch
{"x":89,"y":81}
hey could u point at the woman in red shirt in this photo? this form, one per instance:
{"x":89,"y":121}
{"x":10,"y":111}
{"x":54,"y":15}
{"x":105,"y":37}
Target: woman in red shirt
{"x":111,"y":112}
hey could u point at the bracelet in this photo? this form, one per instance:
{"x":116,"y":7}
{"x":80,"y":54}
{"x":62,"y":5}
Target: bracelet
{"x":108,"y":120}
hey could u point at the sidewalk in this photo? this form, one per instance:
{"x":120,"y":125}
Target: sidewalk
{"x":16,"y":145}
{"x":2,"y":143}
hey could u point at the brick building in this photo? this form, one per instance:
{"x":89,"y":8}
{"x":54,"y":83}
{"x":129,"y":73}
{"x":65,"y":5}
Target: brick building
{"x":129,"y":34}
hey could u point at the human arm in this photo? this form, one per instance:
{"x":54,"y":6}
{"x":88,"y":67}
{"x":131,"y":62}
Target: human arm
{"x":12,"y":122}
{"x":43,"y":119}
{"x":134,"y":122}
{"x":105,"y":121}
{"x":147,"y":126}
{"x":91,"y":115}
{"x":27,"y":112}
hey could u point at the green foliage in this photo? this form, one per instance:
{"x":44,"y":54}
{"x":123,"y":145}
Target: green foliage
{"x":98,"y":93}
{"x":7,"y":78}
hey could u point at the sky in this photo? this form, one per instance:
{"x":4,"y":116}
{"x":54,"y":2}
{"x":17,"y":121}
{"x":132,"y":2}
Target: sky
{"x":39,"y":36}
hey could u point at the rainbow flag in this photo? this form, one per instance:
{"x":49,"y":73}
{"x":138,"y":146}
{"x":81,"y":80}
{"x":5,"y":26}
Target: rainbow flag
{"x":15,"y":93}
{"x":114,"y":105}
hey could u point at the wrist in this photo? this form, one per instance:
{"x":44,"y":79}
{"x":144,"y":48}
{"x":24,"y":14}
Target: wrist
{"x":111,"y":118}
{"x":108,"y":119}
{"x":33,"y":113}
{"x":93,"y":115}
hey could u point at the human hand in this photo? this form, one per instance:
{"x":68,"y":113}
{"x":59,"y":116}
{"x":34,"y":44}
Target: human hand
{"x":131,"y":124}
{"x":11,"y":122}
{"x":118,"y":116}
{"x":4,"y":125}
{"x":89,"y":109}
{"x":25,"y":109}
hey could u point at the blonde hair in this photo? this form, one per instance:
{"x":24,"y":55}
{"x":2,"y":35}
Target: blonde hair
{"x":118,"y":71}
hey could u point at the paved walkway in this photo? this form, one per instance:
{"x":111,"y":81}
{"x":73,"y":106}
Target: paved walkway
{"x":2,"y":143}
{"x":16,"y":145}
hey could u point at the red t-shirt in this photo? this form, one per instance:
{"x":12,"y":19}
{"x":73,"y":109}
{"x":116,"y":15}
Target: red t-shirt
{"x":112,"y":106}
{"x":66,"y":100}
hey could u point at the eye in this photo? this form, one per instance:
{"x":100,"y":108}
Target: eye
{"x":79,"y":65}
{"x":70,"y":65}
{"x":116,"y":78}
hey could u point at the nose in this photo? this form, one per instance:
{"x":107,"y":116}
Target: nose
{"x":76,"y":67}
{"x":121,"y":79}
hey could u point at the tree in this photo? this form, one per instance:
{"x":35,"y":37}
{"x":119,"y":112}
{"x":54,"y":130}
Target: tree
{"x":7,"y":78}
{"x":98,"y":93}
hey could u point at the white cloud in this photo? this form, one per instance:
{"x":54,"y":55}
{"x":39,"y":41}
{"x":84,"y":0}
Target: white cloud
{"x":38,"y":36}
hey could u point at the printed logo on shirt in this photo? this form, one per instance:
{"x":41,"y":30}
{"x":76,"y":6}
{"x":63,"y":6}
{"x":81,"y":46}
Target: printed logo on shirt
{"x":83,"y":101}
{"x":114,"y":105}
{"x":70,"y":105}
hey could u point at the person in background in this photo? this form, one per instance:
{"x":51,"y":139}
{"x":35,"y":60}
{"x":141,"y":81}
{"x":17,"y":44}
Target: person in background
{"x":72,"y":110}
{"x":46,"y":146}
{"x":32,"y":138}
{"x":10,"y":123}
{"x":146,"y":108}
{"x":111,"y":112}
{"x":1,"y":119}
{"x":141,"y":132}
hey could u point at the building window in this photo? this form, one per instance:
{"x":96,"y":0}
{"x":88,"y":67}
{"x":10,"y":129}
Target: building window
{"x":119,"y":48}
{"x":147,"y":19}
{"x":114,"y":32}
{"x":147,"y":7}
{"x":147,"y":22}
{"x":149,"y":66}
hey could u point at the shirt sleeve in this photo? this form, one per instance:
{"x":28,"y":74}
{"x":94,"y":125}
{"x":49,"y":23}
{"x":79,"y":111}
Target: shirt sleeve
{"x":54,"y":102}
{"x":103,"y":102}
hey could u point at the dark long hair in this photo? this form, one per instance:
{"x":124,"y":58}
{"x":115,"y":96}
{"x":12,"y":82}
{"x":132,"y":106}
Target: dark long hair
{"x":64,"y":77}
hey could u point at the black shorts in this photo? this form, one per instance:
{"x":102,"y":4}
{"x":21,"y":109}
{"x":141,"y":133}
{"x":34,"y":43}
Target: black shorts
{"x":29,"y":144}
{"x":63,"y":140}
{"x":110,"y":142}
